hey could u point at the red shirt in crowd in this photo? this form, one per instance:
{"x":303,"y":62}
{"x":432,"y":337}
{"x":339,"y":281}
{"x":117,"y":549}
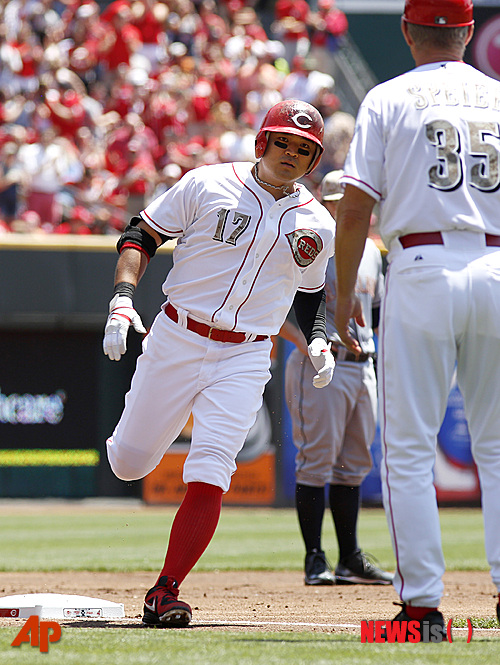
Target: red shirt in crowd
{"x":297,"y":9}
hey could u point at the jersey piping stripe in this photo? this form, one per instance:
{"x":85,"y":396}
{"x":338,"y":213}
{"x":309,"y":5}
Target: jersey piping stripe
{"x":357,"y":180}
{"x":384,"y":440}
{"x":246,"y":253}
{"x":175,"y":234}
{"x":267,"y":256}
{"x":312,"y":290}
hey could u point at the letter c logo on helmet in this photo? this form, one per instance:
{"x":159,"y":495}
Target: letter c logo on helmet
{"x":303,"y":125}
{"x":439,"y":13}
{"x":292,"y":116}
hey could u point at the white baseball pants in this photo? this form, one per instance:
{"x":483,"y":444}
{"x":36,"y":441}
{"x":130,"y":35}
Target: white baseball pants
{"x":441,"y":310}
{"x":180,"y":372}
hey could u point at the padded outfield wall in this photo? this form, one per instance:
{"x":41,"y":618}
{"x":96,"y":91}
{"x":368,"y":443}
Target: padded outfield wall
{"x":60,"y":396}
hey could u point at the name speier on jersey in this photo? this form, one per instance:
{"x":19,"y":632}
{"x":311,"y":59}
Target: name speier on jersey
{"x":306,"y":245}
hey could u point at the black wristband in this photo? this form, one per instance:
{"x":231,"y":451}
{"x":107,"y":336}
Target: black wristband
{"x":124,"y":289}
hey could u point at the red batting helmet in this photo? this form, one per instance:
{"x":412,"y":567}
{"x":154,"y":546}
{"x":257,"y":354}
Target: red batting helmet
{"x":292,"y":116}
{"x":440,"y":13}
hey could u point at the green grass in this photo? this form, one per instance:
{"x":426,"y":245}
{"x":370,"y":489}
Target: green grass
{"x":134,"y":537}
{"x":247,"y":538}
{"x":163,"y":647}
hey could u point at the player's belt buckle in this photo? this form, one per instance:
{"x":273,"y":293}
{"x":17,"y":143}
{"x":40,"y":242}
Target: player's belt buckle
{"x":210,"y":332}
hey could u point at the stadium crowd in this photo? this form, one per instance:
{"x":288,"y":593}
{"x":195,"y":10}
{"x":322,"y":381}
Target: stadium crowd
{"x":105,"y":105}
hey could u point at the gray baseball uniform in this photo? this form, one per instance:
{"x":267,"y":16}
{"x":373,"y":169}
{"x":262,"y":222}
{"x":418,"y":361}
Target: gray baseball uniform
{"x":334,"y":428}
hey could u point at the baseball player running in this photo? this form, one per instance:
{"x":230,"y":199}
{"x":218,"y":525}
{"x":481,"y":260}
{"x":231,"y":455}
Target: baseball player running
{"x":427,"y":146}
{"x":251,"y":241}
{"x":333,"y":429}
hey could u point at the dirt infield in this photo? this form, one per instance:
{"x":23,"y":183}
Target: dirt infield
{"x":260,"y":601}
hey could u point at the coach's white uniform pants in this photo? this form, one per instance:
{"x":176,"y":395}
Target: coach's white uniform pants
{"x":180,"y":372}
{"x":442,"y":307}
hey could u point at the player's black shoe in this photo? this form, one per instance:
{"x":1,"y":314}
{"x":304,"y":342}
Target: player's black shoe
{"x":358,"y":569}
{"x":161,"y":607}
{"x":431,"y":628}
{"x":317,"y":569}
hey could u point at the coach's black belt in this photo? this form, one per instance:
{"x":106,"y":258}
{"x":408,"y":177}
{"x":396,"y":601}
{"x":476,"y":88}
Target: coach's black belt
{"x":216,"y":334}
{"x":436,"y":238}
{"x":343,"y":355}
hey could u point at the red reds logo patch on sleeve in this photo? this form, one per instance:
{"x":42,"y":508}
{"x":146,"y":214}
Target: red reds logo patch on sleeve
{"x":305,"y":245}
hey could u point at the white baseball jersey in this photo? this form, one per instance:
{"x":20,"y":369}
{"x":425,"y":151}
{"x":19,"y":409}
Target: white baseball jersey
{"x":241,"y":255}
{"x":427,"y":145}
{"x":240,"y":258}
{"x":436,"y":130}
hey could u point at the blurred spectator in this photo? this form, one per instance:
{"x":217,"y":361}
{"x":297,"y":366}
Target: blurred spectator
{"x":327,"y":27}
{"x":124,"y":38}
{"x":306,"y":82}
{"x":98,"y":192}
{"x":185,"y":24}
{"x":15,"y":12}
{"x":10,"y":64}
{"x":43,"y":17}
{"x":11,"y":178}
{"x":28,"y":222}
{"x":260,"y":56}
{"x":79,"y":221}
{"x":65,"y":103}
{"x":11,"y":109}
{"x":88,"y":39}
{"x":140,"y":177}
{"x":265,"y":94}
{"x":134,"y":92}
{"x":291,"y":27}
{"x":149,"y":17}
{"x":167,"y":178}
{"x":130,"y":157}
{"x":247,"y":18}
{"x":219,"y":69}
{"x":236,"y":139}
{"x":339,"y":130}
{"x":213,"y":27}
{"x":27,"y":53}
{"x":47,"y":165}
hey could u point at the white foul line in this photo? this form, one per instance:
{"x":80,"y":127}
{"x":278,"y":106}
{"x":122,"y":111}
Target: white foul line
{"x":310,"y":625}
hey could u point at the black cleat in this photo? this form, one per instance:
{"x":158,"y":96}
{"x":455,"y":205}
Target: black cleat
{"x":431,"y":627}
{"x":358,"y":569}
{"x":161,"y":607}
{"x":317,"y":569}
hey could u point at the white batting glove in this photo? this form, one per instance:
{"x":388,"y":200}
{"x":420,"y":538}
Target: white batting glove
{"x":121,"y":316}
{"x":322,"y":360}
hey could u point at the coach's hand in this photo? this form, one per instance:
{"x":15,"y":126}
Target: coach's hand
{"x":322,"y":360}
{"x":346,"y":309}
{"x":121,"y":316}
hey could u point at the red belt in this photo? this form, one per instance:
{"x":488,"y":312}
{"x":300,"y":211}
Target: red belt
{"x":436,"y":238}
{"x":216,"y":334}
